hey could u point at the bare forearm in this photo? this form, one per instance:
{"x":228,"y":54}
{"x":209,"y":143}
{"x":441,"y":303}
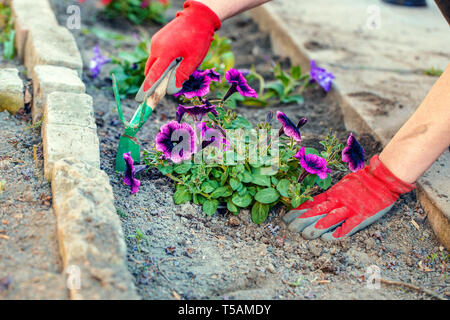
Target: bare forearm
{"x":228,"y":8}
{"x":424,"y":137}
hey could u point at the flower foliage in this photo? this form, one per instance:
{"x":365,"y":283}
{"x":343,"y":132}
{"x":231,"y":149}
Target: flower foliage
{"x":229,"y":163}
{"x":136,"y":11}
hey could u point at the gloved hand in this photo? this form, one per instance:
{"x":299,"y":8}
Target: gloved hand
{"x":189,"y":37}
{"x":355,"y":202}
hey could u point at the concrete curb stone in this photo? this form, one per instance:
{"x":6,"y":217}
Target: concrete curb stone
{"x":48,"y":79}
{"x":11,"y":90}
{"x":89,"y":232}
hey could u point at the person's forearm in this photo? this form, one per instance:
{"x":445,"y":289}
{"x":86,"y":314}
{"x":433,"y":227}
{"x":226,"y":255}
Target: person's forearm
{"x":424,"y":137}
{"x":228,"y":8}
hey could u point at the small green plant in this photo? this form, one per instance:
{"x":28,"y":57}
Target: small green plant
{"x":130,"y":68}
{"x":433,"y":72}
{"x":139,"y":236}
{"x":138,"y":11}
{"x":7,"y":33}
{"x":220,"y":57}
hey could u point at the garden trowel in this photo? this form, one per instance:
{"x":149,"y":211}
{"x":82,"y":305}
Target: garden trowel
{"x":128,"y":141}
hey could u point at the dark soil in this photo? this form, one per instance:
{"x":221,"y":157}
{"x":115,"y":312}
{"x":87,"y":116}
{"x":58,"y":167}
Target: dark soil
{"x":190,"y":256}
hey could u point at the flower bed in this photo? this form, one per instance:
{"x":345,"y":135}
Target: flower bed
{"x":177,"y":250}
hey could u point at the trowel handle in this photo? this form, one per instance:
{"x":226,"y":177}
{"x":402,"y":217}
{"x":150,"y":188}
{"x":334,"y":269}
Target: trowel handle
{"x":160,"y":91}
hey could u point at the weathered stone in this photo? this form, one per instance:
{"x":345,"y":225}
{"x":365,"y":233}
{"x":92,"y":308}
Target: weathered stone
{"x":28,"y":15}
{"x":89,"y":232}
{"x":48,"y":79}
{"x":378,"y":57}
{"x":11,"y":90}
{"x":69,"y":130}
{"x":54,"y":46}
{"x":433,"y":193}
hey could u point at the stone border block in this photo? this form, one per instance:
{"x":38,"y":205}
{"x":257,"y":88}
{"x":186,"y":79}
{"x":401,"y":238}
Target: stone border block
{"x":11,"y":90}
{"x":69,"y":130}
{"x":48,"y":79}
{"x":54,"y":46}
{"x":28,"y":15}
{"x":89,"y":232}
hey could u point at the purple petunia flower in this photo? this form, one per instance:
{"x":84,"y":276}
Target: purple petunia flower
{"x":238,"y":84}
{"x":176,"y":141}
{"x":321,"y":76}
{"x":209,"y":136}
{"x":313,"y":163}
{"x":197,"y":85}
{"x":353,"y":153}
{"x":213,"y":74}
{"x":289,"y":128}
{"x":97,"y":62}
{"x":130,"y":172}
{"x":196,"y":112}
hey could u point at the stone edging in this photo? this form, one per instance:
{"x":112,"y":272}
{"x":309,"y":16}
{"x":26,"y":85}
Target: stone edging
{"x":90,"y":235}
{"x":430,"y":185}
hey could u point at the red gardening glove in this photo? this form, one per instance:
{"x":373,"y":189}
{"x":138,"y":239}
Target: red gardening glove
{"x":189,"y":37}
{"x":355,"y":202}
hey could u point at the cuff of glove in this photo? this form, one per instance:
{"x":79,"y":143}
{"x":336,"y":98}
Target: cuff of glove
{"x":204,"y":11}
{"x":378,"y":170}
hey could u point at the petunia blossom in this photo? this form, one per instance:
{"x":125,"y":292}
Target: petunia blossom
{"x":196,"y":86}
{"x":176,"y":141}
{"x":210,"y":135}
{"x":196,"y":112}
{"x":289,"y":128}
{"x":313,"y":163}
{"x":130,"y":172}
{"x":353,"y":153}
{"x":238,"y":84}
{"x":213,"y":74}
{"x":97,"y":62}
{"x":321,"y":76}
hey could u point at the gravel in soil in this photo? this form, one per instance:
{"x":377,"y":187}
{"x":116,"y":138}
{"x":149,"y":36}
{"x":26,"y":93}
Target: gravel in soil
{"x":187,"y":255}
{"x":30,"y":263}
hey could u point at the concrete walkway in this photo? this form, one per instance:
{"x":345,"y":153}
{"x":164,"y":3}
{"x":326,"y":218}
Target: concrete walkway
{"x":379,"y":53}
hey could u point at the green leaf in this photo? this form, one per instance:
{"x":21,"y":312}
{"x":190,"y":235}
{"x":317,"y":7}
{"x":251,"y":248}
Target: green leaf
{"x":182,"y":195}
{"x":247,"y":177}
{"x":165,"y":169}
{"x":231,"y":207}
{"x":268,"y":195}
{"x":296,"y":72}
{"x":324,"y":183}
{"x":240,"y":122}
{"x":210,"y":207}
{"x":221,"y":192}
{"x":296,"y":98}
{"x":277,"y":88}
{"x":242,"y":201}
{"x":312,"y":151}
{"x":259,"y":212}
{"x":283,"y":187}
{"x":296,"y":201}
{"x":182,"y":168}
{"x":235,"y":184}
{"x":310,"y":180}
{"x":275,"y":181}
{"x":263,"y":181}
{"x":209,"y":186}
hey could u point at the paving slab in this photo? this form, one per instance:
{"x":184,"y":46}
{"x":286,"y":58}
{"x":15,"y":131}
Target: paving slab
{"x":378,"y":53}
{"x":11,"y":90}
{"x":90,"y":234}
{"x":52,"y":45}
{"x":28,"y":15}
{"x":48,"y":79}
{"x":69,"y":130}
